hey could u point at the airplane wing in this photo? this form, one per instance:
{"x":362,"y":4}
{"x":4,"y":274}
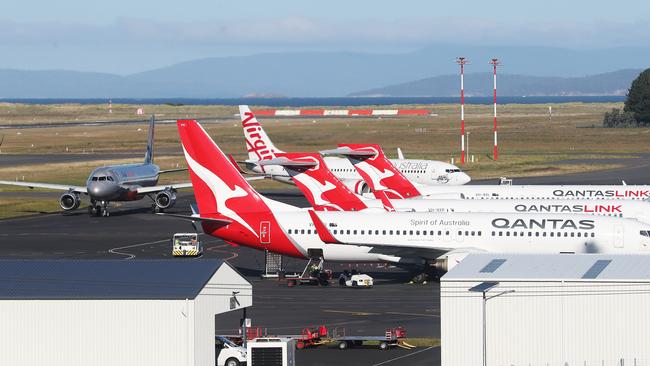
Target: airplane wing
{"x":159,"y":188}
{"x":58,"y":187}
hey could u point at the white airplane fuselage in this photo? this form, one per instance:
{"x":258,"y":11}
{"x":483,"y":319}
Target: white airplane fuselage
{"x":444,"y":232}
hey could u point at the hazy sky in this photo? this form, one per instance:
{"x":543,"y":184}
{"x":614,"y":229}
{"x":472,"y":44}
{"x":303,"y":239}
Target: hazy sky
{"x":122,"y":36}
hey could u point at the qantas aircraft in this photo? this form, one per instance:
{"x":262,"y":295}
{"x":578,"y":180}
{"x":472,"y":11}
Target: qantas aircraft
{"x":260,"y":148}
{"x":381,"y":175}
{"x":230,"y":209}
{"x":326,"y":193}
{"x":126,"y":182}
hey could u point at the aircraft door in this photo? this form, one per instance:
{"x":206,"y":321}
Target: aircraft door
{"x":619,"y":236}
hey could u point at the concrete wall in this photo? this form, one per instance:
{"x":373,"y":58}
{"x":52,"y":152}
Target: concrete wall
{"x":547,"y":323}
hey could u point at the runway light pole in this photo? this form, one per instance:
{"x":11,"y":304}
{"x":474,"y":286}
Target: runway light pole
{"x":495,"y":62}
{"x":462,"y":61}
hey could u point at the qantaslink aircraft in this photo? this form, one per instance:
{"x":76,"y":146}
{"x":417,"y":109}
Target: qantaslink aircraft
{"x":230,"y":209}
{"x":381,"y":175}
{"x":326,"y":193}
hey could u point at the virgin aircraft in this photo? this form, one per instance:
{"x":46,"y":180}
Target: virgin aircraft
{"x":260,"y":148}
{"x":230,"y":209}
{"x":125,"y":182}
{"x":380,"y":174}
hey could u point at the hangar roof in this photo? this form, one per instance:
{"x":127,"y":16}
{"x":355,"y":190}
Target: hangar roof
{"x":551,"y":267}
{"x":105,"y":279}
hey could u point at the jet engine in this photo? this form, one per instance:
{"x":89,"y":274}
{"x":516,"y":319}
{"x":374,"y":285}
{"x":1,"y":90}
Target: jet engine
{"x":165,"y":199}
{"x":69,"y":201}
{"x":357,"y":186}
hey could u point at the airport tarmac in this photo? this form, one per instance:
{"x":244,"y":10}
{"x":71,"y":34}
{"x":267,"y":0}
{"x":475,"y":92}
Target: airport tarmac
{"x":132,"y":232}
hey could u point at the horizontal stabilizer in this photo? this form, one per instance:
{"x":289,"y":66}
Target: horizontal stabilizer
{"x":347,"y":151}
{"x":172,"y":170}
{"x":282,"y":161}
{"x":197,"y":218}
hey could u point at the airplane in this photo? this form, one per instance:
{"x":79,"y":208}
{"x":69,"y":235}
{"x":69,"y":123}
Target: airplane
{"x":326,"y":193}
{"x":230,"y":209}
{"x":381,"y":175}
{"x":124,"y":182}
{"x":260,"y":147}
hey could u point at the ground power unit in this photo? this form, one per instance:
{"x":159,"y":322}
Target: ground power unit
{"x":275,"y":351}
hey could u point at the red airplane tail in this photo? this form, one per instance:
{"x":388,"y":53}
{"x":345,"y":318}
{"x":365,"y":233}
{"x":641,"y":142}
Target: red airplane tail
{"x":324,"y":191}
{"x":221,"y":192}
{"x":371,"y":163}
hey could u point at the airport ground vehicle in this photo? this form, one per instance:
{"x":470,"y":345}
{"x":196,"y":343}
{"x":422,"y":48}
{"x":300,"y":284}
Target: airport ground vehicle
{"x":317,"y":336}
{"x":229,"y":354}
{"x":186,"y":245}
{"x":355,"y":279}
{"x":394,"y":337}
{"x":314,"y":275}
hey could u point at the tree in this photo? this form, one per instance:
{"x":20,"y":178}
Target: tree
{"x":617,"y":119}
{"x":638,"y":99}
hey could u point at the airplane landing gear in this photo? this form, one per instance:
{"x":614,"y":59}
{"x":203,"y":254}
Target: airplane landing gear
{"x":98,"y":209}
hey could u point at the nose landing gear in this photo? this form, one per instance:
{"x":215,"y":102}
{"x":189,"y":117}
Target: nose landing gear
{"x":98,"y":209}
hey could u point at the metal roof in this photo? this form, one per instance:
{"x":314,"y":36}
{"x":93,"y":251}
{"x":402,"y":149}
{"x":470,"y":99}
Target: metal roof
{"x":105,"y":279}
{"x":552,"y":267}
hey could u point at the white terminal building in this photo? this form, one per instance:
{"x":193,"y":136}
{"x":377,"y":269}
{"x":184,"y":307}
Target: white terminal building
{"x":564,"y":310}
{"x":115,"y":312}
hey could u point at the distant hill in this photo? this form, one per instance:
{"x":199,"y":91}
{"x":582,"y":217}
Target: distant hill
{"x":325,"y":74}
{"x":480,"y":84}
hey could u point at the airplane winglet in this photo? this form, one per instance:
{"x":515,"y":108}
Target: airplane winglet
{"x":323,"y":233}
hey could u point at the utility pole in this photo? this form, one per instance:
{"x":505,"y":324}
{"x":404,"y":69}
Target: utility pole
{"x":462,"y":61}
{"x":495,"y":62}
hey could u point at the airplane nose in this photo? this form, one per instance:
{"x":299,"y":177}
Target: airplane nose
{"x":102,"y":191}
{"x":464,"y":178}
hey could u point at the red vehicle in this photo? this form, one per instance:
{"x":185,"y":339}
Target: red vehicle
{"x":311,"y":337}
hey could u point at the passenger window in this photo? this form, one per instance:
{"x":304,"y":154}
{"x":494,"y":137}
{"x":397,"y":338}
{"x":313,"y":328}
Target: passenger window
{"x":347,"y":232}
{"x":530,"y":233}
{"x":500,"y":233}
{"x":579,"y":235}
{"x":417,"y":232}
{"x":362,"y":232}
{"x":507,"y":233}
{"x":302,"y":231}
{"x":593,"y":235}
{"x":383,"y":232}
{"x":354,"y":232}
{"x":290,"y":231}
{"x":390,"y":232}
{"x":410,"y":232}
{"x":573,"y":234}
{"x":537,"y":233}
{"x":376,"y":232}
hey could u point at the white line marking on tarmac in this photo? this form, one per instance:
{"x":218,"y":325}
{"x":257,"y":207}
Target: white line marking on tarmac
{"x":412,"y":314}
{"x":131,"y":256}
{"x":409,"y":355}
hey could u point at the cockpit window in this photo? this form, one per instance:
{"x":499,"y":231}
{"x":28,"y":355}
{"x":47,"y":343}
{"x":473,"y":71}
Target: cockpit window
{"x":94,"y":179}
{"x":102,"y":179}
{"x":452,"y":170}
{"x":645,"y":233}
{"x":109,"y":178}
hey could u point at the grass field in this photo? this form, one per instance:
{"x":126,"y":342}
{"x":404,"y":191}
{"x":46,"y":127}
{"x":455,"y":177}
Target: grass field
{"x":530,"y":142}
